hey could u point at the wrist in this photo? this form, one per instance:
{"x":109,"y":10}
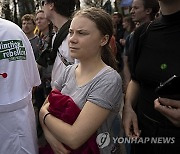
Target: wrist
{"x":127,"y":105}
{"x":44,"y":117}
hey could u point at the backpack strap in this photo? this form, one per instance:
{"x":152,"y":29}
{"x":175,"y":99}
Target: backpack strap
{"x":61,"y":35}
{"x":49,"y":55}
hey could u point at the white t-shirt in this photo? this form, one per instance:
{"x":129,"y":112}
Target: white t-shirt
{"x":18,"y":62}
{"x":59,"y":66}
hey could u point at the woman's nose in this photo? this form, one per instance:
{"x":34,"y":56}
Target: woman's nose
{"x":73,"y":38}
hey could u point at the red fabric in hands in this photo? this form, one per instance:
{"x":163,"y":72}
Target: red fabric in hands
{"x":64,"y":108}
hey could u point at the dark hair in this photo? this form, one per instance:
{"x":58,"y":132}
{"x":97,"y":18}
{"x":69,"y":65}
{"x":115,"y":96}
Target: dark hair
{"x":28,"y":17}
{"x":63,"y":7}
{"x":118,"y":14}
{"x":130,"y":21}
{"x":103,"y":22}
{"x":154,"y":5}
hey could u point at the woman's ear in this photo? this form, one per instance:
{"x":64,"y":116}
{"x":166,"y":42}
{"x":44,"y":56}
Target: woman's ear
{"x":104,"y":40}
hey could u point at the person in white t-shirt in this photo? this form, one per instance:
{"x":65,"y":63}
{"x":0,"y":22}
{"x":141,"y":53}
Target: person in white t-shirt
{"x":59,"y":12}
{"x":18,"y":76}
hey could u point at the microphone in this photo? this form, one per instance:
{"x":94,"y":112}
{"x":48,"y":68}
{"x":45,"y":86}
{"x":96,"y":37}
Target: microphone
{"x":4,"y":75}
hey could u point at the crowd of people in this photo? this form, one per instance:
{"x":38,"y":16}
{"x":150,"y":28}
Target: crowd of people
{"x":61,"y":61}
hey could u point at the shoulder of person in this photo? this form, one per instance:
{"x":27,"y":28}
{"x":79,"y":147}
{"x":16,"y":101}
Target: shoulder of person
{"x":9,"y":25}
{"x":142,"y":29}
{"x":110,"y":75}
{"x":68,"y":69}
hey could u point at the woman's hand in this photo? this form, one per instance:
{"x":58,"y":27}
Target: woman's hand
{"x":56,"y":145}
{"x":169,"y":108}
{"x":130,"y":122}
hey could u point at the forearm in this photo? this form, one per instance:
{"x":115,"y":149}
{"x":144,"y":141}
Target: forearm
{"x":77,"y":134}
{"x":57,"y":128}
{"x":126,"y":72}
{"x":61,"y":130}
{"x":130,"y":121}
{"x":56,"y":145}
{"x":132,"y":94}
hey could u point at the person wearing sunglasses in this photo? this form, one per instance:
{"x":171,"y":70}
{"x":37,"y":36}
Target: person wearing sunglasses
{"x":59,"y":12}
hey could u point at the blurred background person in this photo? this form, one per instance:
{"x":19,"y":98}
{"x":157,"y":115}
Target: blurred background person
{"x":143,"y":11}
{"x":128,"y":25}
{"x":45,"y":33}
{"x":117,"y":19}
{"x":28,"y":27}
{"x":59,"y":12}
